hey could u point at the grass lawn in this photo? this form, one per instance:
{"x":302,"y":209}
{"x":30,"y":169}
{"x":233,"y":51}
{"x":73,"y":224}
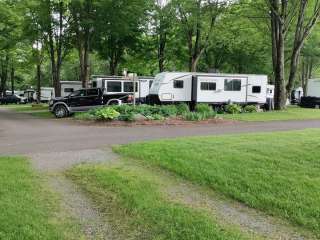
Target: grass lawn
{"x":26,"y":207}
{"x":291,"y":113}
{"x":135,"y":200}
{"x":27,"y":107}
{"x":278,"y":173}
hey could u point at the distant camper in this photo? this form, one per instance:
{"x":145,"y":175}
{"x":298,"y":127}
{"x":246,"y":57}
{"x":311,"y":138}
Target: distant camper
{"x":312,"y":98}
{"x":68,"y":87}
{"x":47,"y":93}
{"x":211,"y":88}
{"x":119,"y":87}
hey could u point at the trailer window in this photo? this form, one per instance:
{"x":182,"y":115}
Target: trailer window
{"x":128,"y":87}
{"x":114,"y":86}
{"x":256,"y":89}
{"x":232,"y":84}
{"x":177,"y":84}
{"x":68,"y":90}
{"x":94,"y":84}
{"x":208,"y":86}
{"x":150,"y":84}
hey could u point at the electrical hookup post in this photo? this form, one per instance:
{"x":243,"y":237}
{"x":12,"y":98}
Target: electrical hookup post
{"x":134,"y":78}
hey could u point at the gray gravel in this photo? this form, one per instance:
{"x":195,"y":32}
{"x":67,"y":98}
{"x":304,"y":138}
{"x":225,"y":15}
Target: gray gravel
{"x":59,"y":161}
{"x":253,"y":222}
{"x":80,"y":208}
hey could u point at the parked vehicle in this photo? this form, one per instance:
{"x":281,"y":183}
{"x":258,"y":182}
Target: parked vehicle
{"x":68,"y":87}
{"x":12,"y":99}
{"x":312,"y":98}
{"x":119,"y":87}
{"x":47,"y":93}
{"x":211,"y":88}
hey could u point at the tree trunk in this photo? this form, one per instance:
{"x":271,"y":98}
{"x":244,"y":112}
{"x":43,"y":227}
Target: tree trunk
{"x":12,"y":79}
{"x":161,"y":50}
{"x":38,"y":83}
{"x":4,"y":75}
{"x":280,"y":97}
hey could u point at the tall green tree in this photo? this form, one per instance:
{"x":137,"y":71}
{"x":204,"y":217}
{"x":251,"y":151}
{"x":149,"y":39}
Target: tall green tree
{"x":119,"y":25}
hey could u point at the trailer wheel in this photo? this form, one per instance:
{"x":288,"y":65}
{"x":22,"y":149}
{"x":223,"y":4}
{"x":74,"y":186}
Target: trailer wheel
{"x":61,"y":111}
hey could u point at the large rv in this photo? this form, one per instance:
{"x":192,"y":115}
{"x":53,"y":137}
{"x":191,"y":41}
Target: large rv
{"x":214,"y":89}
{"x":118,"y":88}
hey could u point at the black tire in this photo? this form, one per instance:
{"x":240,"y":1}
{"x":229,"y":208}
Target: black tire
{"x":61,"y":111}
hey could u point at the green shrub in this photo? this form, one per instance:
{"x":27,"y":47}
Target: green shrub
{"x":250,"y":109}
{"x":158,"y":117}
{"x":123,"y":109}
{"x":194,"y":116}
{"x":107,"y":113}
{"x":182,"y":108}
{"x":168,"y":111}
{"x":128,"y":117}
{"x":203,"y":108}
{"x":233,"y":108}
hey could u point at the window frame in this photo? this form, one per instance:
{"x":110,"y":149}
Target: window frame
{"x":208,"y":86}
{"x":256,"y":87}
{"x":71,"y":90}
{"x":176,"y":84}
{"x":117,"y":82}
{"x":137,"y":87}
{"x":227,"y":81}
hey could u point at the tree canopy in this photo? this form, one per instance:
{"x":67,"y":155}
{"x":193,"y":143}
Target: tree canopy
{"x":80,"y":38}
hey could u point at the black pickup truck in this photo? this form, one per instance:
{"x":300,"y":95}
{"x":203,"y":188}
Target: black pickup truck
{"x":84,"y":100}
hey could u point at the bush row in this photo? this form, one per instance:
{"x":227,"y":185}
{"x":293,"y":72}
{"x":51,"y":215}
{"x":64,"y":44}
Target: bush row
{"x":147,"y":112}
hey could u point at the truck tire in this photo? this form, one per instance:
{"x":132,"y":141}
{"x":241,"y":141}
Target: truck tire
{"x":61,"y":111}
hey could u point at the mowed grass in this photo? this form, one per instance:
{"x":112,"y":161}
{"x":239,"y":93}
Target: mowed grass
{"x":278,"y":173}
{"x":26,"y":208}
{"x":26,"y":107}
{"x":291,"y":113}
{"x":135,"y":200}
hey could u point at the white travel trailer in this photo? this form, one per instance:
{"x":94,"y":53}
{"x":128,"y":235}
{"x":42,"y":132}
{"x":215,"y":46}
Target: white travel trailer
{"x":119,"y":87}
{"x":212,"y":88}
{"x":47,"y":93}
{"x":68,"y":87}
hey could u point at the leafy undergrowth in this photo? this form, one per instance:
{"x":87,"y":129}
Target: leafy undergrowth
{"x":278,"y":173}
{"x":135,"y":199}
{"x":26,"y":208}
{"x":130,"y":113}
{"x":291,"y":113}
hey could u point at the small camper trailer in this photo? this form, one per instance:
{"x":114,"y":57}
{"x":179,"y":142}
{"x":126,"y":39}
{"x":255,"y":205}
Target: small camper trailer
{"x":46,"y":94}
{"x":214,"y":89}
{"x":68,"y":87}
{"x":120,"y":87}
